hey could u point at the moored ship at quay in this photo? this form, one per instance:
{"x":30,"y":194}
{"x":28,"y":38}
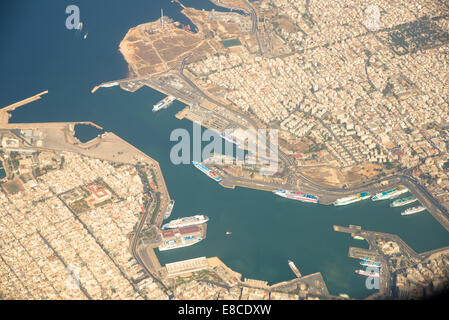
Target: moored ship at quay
{"x":403,"y":202}
{"x":372,"y":264}
{"x":413,"y":210}
{"x":351,"y":199}
{"x":164,"y":103}
{"x":296,"y":195}
{"x":169,"y":209}
{"x":390,"y":194}
{"x":371,"y":274}
{"x":210,"y":173}
{"x":186,"y":221}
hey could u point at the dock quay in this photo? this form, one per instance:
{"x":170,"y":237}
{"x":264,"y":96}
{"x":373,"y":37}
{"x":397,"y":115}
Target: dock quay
{"x":360,"y":253}
{"x":168,"y":84}
{"x":351,"y":229}
{"x":15,"y":105}
{"x":372,"y":236}
{"x":312,"y":284}
{"x":186,"y":266}
{"x":4,"y":112}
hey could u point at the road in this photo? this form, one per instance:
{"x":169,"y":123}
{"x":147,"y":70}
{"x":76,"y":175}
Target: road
{"x":140,"y":225}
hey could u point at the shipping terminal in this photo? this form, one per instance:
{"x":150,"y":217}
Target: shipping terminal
{"x":181,"y":237}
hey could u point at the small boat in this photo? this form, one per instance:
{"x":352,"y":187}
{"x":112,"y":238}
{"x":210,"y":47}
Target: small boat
{"x":228,"y":232}
{"x":85,"y":36}
{"x":169,"y":209}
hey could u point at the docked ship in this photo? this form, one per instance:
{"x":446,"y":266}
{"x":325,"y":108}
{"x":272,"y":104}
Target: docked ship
{"x":413,"y":210}
{"x":403,"y":202}
{"x":365,"y":273}
{"x":295,"y":195}
{"x":367,"y":259}
{"x":179,"y":243}
{"x":186,"y":221}
{"x":351,"y":199}
{"x":390,"y":194}
{"x":169,"y":209}
{"x":372,"y":264}
{"x":294,"y":268}
{"x":210,"y":173}
{"x":109,"y":85}
{"x":164,"y":103}
{"x":358,"y":238}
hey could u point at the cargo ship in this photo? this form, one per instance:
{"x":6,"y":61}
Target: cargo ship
{"x":372,"y":264}
{"x":179,"y":243}
{"x":294,"y":268}
{"x":390,"y":194}
{"x":413,"y":210}
{"x":186,"y":221}
{"x":295,"y":195}
{"x":210,"y":173}
{"x":365,"y":273}
{"x":169,"y":209}
{"x":403,"y":202}
{"x":355,"y":198}
{"x":164,"y":103}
